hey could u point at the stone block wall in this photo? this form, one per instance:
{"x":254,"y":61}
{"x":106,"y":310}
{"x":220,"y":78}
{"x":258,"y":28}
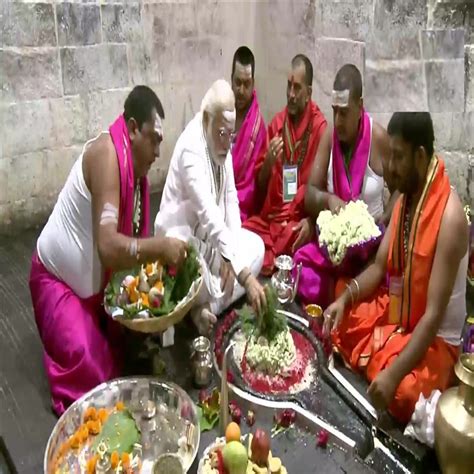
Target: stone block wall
{"x":66,"y":68}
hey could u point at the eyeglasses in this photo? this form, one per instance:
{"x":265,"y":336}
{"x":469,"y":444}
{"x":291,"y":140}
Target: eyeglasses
{"x":225,"y":135}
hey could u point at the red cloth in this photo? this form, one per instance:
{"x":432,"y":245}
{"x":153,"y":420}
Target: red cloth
{"x":276,"y":219}
{"x":369,"y":338}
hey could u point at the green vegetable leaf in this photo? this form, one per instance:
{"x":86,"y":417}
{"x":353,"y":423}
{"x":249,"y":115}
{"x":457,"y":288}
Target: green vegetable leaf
{"x":207,"y":423}
{"x":269,"y":323}
{"x":186,"y":275}
{"x":120,"y":433}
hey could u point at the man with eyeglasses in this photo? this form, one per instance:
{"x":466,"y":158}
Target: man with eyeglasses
{"x":284,"y":165}
{"x":250,"y":130}
{"x":200,"y":206}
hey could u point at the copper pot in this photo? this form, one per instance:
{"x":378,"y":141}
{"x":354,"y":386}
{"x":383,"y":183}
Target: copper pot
{"x":454,"y":422}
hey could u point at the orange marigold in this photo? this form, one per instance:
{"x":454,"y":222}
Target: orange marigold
{"x":75,"y":441}
{"x":102,"y":414}
{"x":114,"y":459}
{"x":125,"y":460}
{"x":93,"y":426}
{"x":90,"y":414}
{"x":83,"y":433}
{"x":119,"y":406}
{"x":91,"y":463}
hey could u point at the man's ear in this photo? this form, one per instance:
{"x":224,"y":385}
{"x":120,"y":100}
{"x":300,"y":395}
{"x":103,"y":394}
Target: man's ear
{"x":361,"y":102}
{"x":133,"y":128}
{"x":310,"y":91}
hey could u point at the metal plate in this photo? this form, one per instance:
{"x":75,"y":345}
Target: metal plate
{"x":162,"y":410}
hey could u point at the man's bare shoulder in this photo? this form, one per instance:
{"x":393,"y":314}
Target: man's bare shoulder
{"x":454,"y":223}
{"x":99,"y":158}
{"x":379,"y":134}
{"x":327,"y":135}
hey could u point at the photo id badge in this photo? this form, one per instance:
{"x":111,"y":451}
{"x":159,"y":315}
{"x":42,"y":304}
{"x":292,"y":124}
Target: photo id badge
{"x":290,"y":182}
{"x":395,"y":304}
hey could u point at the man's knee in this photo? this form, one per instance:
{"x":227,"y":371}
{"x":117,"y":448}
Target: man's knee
{"x":405,"y":398}
{"x":252,"y":250}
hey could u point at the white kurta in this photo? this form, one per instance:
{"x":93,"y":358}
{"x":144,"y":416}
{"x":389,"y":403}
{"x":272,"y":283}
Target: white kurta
{"x":193,"y":210}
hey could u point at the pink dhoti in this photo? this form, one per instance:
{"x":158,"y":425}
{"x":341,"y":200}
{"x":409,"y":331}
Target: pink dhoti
{"x":82,"y":345}
{"x":318,"y":275}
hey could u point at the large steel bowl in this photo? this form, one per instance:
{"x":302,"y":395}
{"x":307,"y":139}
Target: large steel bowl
{"x":144,"y":397}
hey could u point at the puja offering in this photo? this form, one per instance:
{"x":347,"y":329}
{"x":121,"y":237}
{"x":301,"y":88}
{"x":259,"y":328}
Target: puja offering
{"x":349,"y":232}
{"x":271,"y":356}
{"x":153,"y":291}
{"x":248,"y":454}
{"x":129,"y":426}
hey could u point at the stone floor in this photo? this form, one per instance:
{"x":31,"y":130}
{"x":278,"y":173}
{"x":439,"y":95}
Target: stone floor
{"x":26,"y":419}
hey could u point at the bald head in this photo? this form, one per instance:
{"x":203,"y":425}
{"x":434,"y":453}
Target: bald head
{"x":302,"y":60}
{"x":349,"y":78}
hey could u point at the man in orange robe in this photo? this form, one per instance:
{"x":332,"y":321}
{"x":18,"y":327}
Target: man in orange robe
{"x":284,"y":165}
{"x":406,"y":338}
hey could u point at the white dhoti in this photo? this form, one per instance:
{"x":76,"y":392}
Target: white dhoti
{"x":250,"y":249}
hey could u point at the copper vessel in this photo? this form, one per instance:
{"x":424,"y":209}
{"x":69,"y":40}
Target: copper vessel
{"x":454,"y":422}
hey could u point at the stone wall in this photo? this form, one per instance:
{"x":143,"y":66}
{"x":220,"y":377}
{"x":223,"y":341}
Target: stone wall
{"x":66,"y":68}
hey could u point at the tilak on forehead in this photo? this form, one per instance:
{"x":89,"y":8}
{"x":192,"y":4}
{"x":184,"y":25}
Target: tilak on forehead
{"x":158,"y":126}
{"x":340,"y":98}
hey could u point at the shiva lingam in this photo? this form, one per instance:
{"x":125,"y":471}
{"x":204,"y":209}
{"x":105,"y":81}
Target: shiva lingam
{"x":285,"y":285}
{"x":454,"y":422}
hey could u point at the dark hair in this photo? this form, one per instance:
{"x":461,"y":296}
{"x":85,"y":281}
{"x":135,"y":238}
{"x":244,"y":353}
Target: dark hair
{"x":308,"y":67}
{"x":244,"y":56}
{"x":349,"y":77}
{"x":415,"y":128}
{"x":140,"y":103}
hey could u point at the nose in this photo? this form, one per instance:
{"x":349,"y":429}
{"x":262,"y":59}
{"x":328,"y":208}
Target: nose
{"x":291,"y":92}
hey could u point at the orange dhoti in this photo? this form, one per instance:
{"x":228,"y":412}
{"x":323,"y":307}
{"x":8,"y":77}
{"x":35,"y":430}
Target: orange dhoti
{"x":369,"y":337}
{"x":370,"y":345}
{"x":278,"y":238}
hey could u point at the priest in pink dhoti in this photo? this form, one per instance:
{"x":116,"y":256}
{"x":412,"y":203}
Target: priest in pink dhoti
{"x":351,"y":163}
{"x":100,"y":224}
{"x":249,"y":129}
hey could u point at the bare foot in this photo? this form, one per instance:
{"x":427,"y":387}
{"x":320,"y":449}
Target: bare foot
{"x":203,"y":319}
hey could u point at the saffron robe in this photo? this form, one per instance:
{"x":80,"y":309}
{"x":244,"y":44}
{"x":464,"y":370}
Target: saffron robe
{"x":370,"y":338}
{"x":276,"y":219}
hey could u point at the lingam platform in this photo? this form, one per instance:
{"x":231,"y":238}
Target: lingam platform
{"x":358,"y":439}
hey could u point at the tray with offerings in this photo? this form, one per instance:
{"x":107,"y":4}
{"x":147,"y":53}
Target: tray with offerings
{"x":129,"y":425}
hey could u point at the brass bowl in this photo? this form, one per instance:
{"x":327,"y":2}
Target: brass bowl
{"x":314,"y":311}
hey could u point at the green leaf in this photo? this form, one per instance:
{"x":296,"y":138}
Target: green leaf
{"x":186,"y":275}
{"x":269,"y":323}
{"x":207,"y":423}
{"x":120,"y":432}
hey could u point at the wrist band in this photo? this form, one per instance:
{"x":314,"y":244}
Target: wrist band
{"x":348,"y":286}
{"x":246,"y":277}
{"x":356,"y":283}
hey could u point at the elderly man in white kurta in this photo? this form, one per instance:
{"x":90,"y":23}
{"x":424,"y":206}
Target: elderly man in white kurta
{"x":200,"y":205}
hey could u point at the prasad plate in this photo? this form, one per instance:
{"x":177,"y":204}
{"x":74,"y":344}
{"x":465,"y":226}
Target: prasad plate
{"x":163,"y":413}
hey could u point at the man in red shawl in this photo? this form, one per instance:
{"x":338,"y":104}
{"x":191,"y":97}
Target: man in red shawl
{"x":249,"y":128}
{"x":284,"y":165}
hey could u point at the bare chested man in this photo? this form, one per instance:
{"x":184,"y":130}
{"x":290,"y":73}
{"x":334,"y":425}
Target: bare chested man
{"x":99,"y":224}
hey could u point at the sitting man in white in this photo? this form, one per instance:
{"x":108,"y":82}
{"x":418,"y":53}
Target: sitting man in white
{"x":200,"y":206}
